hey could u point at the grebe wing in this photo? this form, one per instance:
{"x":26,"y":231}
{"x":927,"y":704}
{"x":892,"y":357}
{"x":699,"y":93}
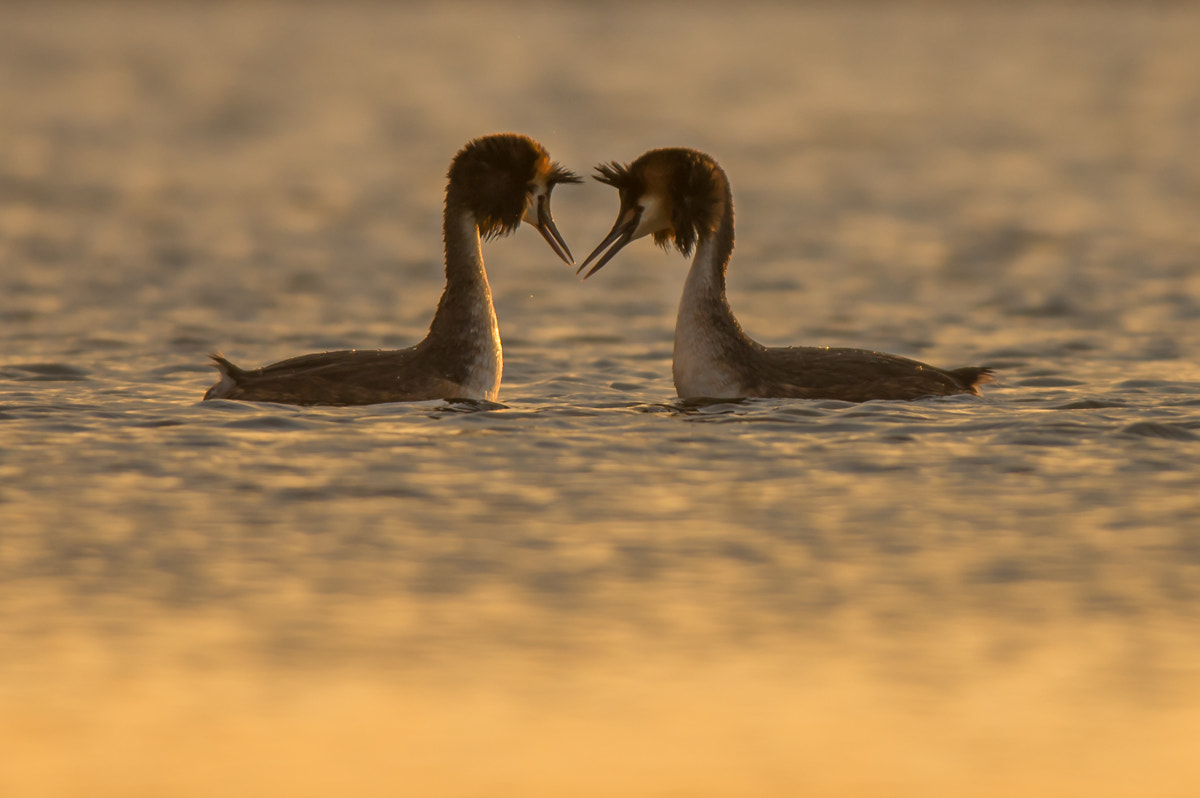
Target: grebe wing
{"x":857,"y":375}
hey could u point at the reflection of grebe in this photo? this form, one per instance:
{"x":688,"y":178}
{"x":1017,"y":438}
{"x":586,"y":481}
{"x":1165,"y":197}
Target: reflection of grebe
{"x":494,"y":184}
{"x":683,"y":196}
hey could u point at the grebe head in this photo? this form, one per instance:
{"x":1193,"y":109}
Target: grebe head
{"x":506,"y":179}
{"x":673,"y":194}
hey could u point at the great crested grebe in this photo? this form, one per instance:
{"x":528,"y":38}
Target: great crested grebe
{"x":682,"y":196}
{"x":494,"y":183}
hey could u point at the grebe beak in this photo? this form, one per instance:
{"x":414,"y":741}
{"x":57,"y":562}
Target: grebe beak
{"x":544,"y":223}
{"x":618,"y":237}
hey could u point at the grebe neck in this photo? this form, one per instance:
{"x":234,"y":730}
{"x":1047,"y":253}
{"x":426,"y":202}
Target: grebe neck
{"x":709,"y":342}
{"x":464,"y":325}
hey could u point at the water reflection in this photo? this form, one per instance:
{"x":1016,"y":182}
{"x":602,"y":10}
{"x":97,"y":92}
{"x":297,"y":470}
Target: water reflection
{"x":593,"y":588}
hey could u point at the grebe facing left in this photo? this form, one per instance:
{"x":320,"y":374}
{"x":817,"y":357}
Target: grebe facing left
{"x":494,"y":183}
{"x":682,"y":196}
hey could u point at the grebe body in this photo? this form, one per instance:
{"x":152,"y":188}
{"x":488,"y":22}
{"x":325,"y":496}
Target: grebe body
{"x":683,"y":197}
{"x":494,"y":183}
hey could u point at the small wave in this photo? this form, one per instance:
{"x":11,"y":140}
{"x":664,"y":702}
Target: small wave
{"x":1158,"y":429}
{"x":269,"y":423}
{"x":1165,"y":386}
{"x":1089,"y":404}
{"x":45,"y":372}
{"x":1049,"y":382}
{"x":180,"y":368}
{"x":469,"y":406}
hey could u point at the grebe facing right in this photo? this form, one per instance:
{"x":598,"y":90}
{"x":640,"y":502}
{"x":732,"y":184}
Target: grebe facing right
{"x":682,"y":196}
{"x":494,"y":184}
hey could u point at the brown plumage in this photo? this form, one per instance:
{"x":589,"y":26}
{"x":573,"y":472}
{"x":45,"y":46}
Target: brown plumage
{"x":494,"y":183}
{"x":682,"y":197}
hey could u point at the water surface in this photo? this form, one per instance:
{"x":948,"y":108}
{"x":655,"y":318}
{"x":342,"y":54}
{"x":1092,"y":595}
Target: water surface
{"x":593,"y":588}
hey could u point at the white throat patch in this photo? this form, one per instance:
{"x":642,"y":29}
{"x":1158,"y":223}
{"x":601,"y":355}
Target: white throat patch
{"x":654,"y":215}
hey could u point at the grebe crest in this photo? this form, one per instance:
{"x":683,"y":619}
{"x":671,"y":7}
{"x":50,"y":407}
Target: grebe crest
{"x":506,"y":179}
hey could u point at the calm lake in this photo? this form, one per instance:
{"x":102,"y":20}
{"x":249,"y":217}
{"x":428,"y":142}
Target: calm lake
{"x":593,"y":588}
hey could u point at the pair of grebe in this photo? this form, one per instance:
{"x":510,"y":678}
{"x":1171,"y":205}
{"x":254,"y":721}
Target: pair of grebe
{"x":678,"y":196}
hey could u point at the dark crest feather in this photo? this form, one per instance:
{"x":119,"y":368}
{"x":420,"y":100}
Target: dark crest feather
{"x":560,"y":174}
{"x":613,"y":174}
{"x":693,"y":188}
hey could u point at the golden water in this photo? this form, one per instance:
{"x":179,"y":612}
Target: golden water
{"x":596,"y":589}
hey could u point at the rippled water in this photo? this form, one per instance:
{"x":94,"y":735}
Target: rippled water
{"x":596,"y":589}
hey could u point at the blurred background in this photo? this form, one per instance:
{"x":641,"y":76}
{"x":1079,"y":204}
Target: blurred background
{"x":596,"y":589}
